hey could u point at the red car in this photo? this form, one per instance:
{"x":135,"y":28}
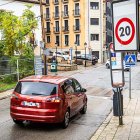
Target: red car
{"x":50,"y":99}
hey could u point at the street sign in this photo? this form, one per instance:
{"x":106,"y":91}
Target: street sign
{"x":130,"y":59}
{"x":38,"y":65}
{"x":125,"y":25}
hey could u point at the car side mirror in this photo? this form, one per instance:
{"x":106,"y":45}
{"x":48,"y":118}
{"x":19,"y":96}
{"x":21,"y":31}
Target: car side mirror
{"x":83,"y":90}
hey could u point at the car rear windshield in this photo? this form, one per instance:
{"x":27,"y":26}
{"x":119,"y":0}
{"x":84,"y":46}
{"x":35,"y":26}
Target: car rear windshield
{"x":36,"y":88}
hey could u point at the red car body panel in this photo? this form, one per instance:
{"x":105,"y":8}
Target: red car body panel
{"x":46,"y":110}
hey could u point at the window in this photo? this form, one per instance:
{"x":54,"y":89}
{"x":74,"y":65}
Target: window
{"x":94,"y":21}
{"x":65,"y":10}
{"x":77,"y":39}
{"x":47,"y":2}
{"x":77,"y":86}
{"x":77,"y":24}
{"x":94,"y":37}
{"x":66,"y":40}
{"x":57,"y":40}
{"x":94,"y":5}
{"x":48,"y":39}
{"x":48,"y":27}
{"x":31,"y":88}
{"x":57,"y":26}
{"x":47,"y":13}
{"x":66,"y":27}
{"x":56,"y":11}
{"x":77,"y":9}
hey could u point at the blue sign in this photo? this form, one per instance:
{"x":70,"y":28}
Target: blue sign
{"x":130,"y":59}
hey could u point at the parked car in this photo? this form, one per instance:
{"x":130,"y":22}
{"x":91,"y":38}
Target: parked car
{"x":50,"y":99}
{"x":62,"y":54}
{"x":126,"y":67}
{"x":89,"y":57}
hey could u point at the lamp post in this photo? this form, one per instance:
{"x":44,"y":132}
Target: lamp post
{"x":56,"y":51}
{"x":85,"y":44}
{"x":76,"y":51}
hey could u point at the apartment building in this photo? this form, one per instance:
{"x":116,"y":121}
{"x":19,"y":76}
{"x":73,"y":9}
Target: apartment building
{"x":74,"y":22}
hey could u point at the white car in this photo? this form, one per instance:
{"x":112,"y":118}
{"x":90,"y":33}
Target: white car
{"x":62,"y":54}
{"x":126,"y":67}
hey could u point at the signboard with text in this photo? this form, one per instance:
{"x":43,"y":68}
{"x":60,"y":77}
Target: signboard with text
{"x":125,"y":25}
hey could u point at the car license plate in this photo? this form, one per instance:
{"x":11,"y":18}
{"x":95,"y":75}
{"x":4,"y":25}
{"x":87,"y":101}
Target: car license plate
{"x":30,"y":104}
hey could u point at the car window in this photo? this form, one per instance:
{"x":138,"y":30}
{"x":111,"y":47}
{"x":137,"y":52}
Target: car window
{"x":77,"y":86}
{"x":68,"y":86}
{"x":36,"y":88}
{"x":69,"y":90}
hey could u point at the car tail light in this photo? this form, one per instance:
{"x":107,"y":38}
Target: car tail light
{"x":14,"y":96}
{"x":54,"y":100}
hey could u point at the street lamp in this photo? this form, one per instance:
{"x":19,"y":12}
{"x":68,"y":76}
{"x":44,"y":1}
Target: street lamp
{"x":76,"y":51}
{"x":56,"y":45}
{"x":85,"y":44}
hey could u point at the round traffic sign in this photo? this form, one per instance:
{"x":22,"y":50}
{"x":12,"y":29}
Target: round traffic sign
{"x":125,"y":31}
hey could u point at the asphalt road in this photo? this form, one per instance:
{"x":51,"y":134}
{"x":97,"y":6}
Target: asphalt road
{"x":82,"y":127}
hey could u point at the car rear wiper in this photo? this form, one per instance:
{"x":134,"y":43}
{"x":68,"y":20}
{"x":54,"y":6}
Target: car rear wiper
{"x":36,"y":94}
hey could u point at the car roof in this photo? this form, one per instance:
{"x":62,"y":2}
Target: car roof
{"x":44,"y":78}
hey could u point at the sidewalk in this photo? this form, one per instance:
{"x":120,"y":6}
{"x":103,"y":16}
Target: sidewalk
{"x":7,"y":93}
{"x":110,"y":129}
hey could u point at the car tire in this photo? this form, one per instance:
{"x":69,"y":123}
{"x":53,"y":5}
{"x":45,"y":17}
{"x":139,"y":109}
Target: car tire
{"x":17,"y":122}
{"x":66,"y":120}
{"x":84,"y":109}
{"x":107,"y":66}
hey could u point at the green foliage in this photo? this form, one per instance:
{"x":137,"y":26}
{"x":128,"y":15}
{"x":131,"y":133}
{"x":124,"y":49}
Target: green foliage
{"x":8,"y":79}
{"x":15,"y":31}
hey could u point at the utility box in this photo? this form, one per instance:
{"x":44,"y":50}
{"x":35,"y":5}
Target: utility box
{"x":53,"y":67}
{"x":116,"y":111}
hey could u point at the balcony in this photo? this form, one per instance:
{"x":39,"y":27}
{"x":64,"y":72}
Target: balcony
{"x":55,"y":2}
{"x":65,"y":1}
{"x":76,"y":12}
{"x":48,"y":31}
{"x":76,"y":28}
{"x":56,"y":15}
{"x":47,"y":16}
{"x":56,"y":29}
{"x":65,"y":14}
{"x":65,"y":29}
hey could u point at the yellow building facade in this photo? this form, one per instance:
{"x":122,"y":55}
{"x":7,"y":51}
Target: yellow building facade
{"x":65,"y":24}
{"x":70,"y":23}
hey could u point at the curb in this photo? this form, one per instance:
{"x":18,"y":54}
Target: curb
{"x":1,"y":98}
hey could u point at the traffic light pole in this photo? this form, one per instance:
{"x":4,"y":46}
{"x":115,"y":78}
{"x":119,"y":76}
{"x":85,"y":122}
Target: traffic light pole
{"x":43,"y":36}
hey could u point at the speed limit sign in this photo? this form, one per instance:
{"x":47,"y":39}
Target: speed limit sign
{"x":125,"y":25}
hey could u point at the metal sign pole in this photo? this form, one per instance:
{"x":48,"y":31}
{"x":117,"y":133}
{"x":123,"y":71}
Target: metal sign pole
{"x":130,"y":83}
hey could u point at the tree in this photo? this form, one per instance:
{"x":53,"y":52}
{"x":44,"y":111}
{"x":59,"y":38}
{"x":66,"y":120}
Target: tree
{"x":15,"y":31}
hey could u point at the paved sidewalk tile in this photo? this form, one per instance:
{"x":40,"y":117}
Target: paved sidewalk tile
{"x":131,"y":120}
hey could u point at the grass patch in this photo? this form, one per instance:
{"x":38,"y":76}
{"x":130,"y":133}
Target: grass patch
{"x":7,"y":86}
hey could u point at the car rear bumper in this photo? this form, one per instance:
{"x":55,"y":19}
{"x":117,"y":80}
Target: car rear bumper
{"x":36,"y":115}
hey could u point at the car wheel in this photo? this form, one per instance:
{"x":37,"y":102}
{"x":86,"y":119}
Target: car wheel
{"x":107,"y":66}
{"x":18,"y":122}
{"x":66,"y":120}
{"x":84,"y":109}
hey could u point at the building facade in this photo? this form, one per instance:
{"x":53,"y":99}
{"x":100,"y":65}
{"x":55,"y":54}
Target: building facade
{"x":71,"y":23}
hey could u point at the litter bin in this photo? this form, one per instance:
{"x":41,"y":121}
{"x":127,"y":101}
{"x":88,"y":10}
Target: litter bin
{"x":53,"y":67}
{"x":116,"y":112}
